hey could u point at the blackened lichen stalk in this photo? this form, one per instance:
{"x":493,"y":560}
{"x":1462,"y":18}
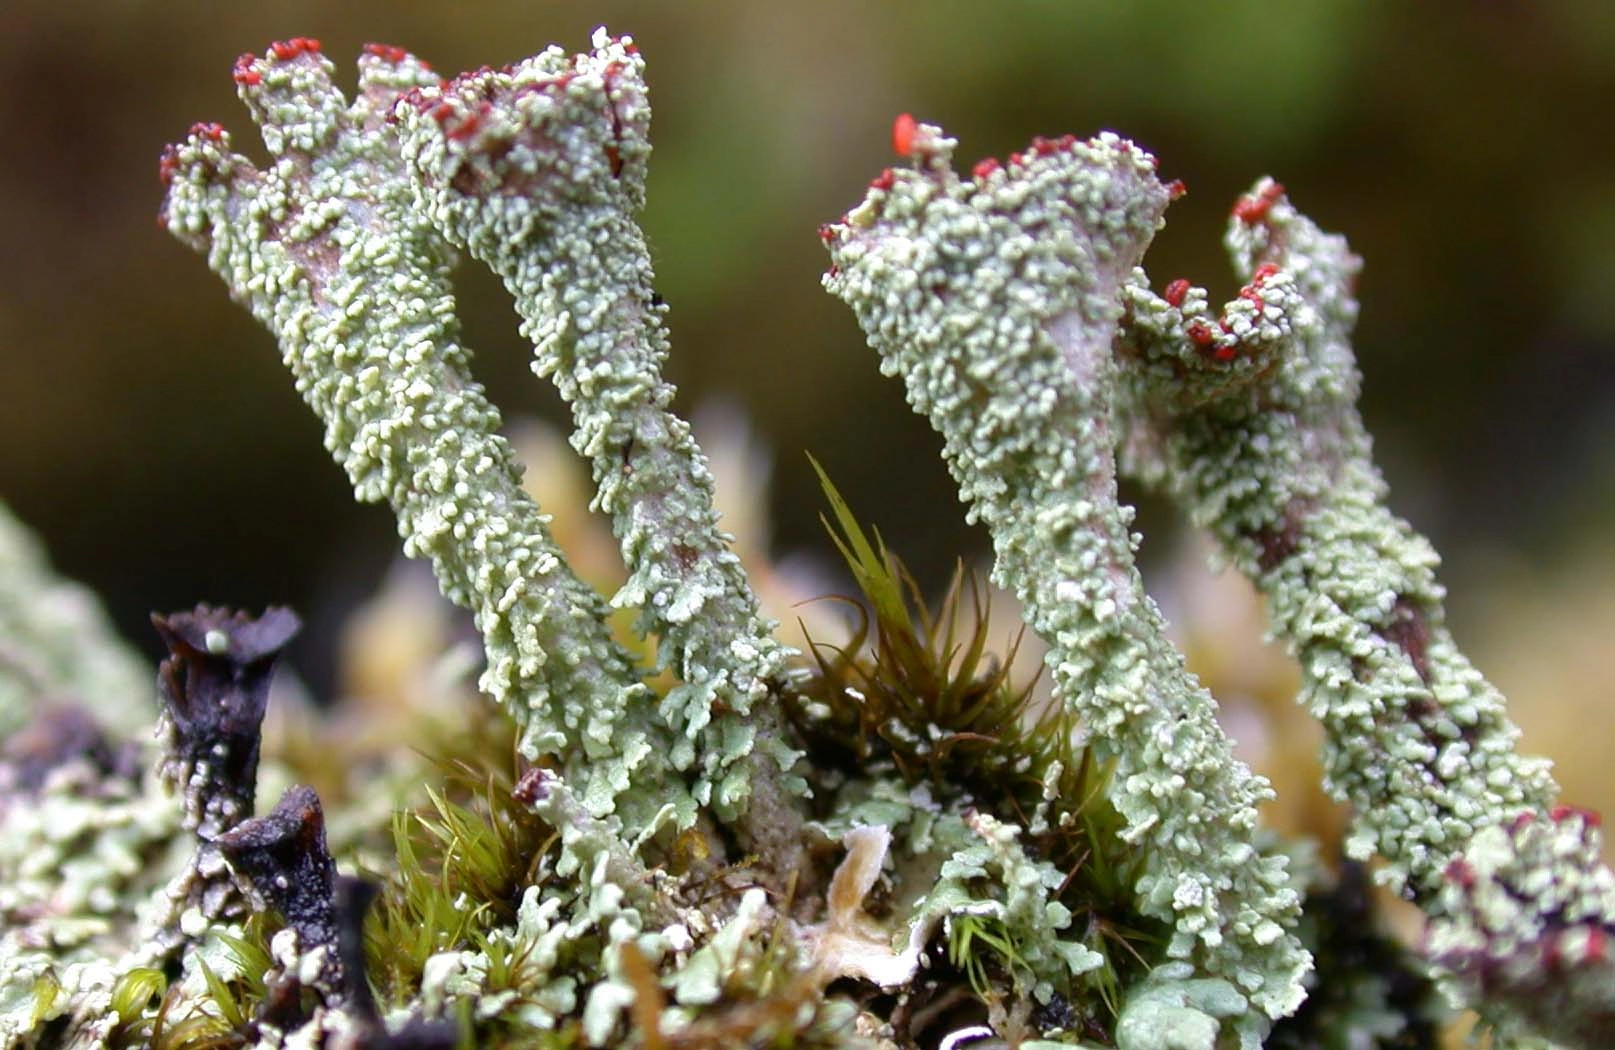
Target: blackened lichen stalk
{"x":215,"y":690}
{"x":996,"y":300}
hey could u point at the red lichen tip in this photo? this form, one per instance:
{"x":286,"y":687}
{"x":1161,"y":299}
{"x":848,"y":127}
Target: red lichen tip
{"x":246,"y":73}
{"x":416,"y":99}
{"x":464,"y":129}
{"x":168,"y":164}
{"x":1176,"y":291}
{"x":883,"y":181}
{"x":1251,"y":293}
{"x":1589,"y":817}
{"x":1461,"y":872}
{"x":1205,"y":339}
{"x":210,"y":130}
{"x":1176,"y":189}
{"x":1252,"y":208}
{"x":1597,"y":945}
{"x":905,"y":134}
{"x":1200,"y":334}
{"x":827,"y":232}
{"x":386,"y":52}
{"x":285,"y":50}
{"x":985,"y":167}
{"x":461,"y":124}
{"x":1043,"y":147}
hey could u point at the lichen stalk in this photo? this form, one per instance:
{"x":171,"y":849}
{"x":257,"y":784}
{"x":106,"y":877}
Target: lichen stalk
{"x":1263,"y":445}
{"x":996,"y":299}
{"x":323,"y":247}
{"x":1525,"y":926}
{"x":1278,"y":466}
{"x":539,"y":170}
{"x":585,"y":839}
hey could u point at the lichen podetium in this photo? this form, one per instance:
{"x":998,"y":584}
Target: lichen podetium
{"x":683,"y":833}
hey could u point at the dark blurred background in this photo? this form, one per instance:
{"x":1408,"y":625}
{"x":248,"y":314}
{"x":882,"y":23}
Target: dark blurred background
{"x":148,"y":431}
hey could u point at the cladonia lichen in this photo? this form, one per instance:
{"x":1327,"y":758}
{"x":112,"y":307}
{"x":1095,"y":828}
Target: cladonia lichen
{"x":688,"y":834}
{"x":996,"y":299}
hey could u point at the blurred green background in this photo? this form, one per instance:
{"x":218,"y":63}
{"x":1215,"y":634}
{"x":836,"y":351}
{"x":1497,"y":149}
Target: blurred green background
{"x":149,"y":432}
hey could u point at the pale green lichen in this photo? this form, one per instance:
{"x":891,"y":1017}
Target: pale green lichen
{"x":1524,"y":920}
{"x":532,"y":975}
{"x":539,"y":171}
{"x":996,"y":300}
{"x":84,"y":863}
{"x":57,"y":647}
{"x":587,"y":841}
{"x":1261,"y":442}
{"x":1269,"y":453}
{"x":963,"y":878}
{"x":326,"y":249}
{"x":1175,"y":1010}
{"x":1012,"y":305}
{"x":1037,"y":945}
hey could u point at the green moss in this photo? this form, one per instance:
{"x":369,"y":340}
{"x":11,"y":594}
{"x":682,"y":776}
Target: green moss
{"x":463,"y":861}
{"x":983,"y":948}
{"x":223,"y":1017}
{"x":136,"y":997}
{"x":917,"y":691}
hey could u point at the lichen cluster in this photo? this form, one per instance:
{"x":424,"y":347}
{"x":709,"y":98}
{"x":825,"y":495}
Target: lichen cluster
{"x":889,"y":839}
{"x":1008,"y":351}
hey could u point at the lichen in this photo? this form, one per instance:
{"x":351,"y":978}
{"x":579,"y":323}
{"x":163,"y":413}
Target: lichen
{"x":538,"y":171}
{"x":57,"y":646}
{"x":680,"y":833}
{"x":996,"y":298}
{"x":327,"y":250}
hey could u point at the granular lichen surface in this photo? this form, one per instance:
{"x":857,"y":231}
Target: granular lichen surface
{"x":669,"y":828}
